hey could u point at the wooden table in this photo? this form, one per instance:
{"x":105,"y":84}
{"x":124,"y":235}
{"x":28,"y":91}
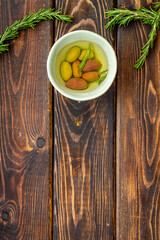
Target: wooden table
{"x":78,"y":170}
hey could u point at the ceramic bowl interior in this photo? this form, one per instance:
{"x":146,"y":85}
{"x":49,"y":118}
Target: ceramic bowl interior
{"x":105,"y":54}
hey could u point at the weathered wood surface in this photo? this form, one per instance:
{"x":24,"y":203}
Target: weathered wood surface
{"x":106,"y":165}
{"x":138,"y":135}
{"x":84,"y":146}
{"x":24,"y":127}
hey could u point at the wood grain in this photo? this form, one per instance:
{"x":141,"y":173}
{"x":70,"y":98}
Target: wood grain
{"x":138,"y":135}
{"x":24,"y":127}
{"x":84,"y":146}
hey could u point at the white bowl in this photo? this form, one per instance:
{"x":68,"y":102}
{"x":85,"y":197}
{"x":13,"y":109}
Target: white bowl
{"x":53,"y":64}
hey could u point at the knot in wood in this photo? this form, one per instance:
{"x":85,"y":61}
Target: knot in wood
{"x":5,"y":215}
{"x":40,"y":142}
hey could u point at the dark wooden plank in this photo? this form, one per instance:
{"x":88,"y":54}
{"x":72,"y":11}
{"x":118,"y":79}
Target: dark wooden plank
{"x":84,"y":146}
{"x":24,"y":127}
{"x":138,"y":135}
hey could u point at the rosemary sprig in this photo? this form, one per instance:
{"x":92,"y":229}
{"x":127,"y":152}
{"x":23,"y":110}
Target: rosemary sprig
{"x":104,"y":75}
{"x":123,"y":17}
{"x":30,"y":21}
{"x":81,"y":65}
{"x":149,"y":44}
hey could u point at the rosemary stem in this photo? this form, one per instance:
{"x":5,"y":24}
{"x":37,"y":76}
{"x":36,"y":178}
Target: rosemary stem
{"x":30,"y":21}
{"x":123,"y":17}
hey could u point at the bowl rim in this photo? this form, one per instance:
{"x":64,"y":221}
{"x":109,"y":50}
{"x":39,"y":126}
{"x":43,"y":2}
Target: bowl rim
{"x":79,"y":97}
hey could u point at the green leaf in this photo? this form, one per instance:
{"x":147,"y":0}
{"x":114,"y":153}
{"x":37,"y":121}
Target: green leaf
{"x":104,"y":75}
{"x":81,"y":65}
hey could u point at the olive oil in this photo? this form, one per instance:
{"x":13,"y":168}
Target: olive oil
{"x":84,"y":45}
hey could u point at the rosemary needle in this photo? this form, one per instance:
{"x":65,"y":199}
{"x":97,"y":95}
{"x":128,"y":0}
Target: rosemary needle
{"x":30,"y":21}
